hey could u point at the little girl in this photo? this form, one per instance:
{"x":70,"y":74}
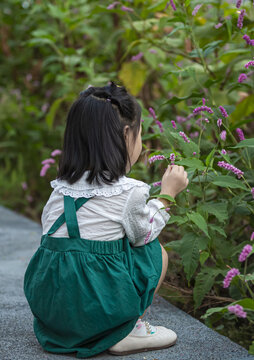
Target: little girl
{"x":100,"y":262}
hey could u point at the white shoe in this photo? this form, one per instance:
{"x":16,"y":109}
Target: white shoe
{"x":144,"y":337}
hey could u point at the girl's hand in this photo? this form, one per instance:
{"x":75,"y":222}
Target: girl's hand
{"x":174,"y":180}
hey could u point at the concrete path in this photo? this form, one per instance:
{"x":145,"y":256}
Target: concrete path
{"x":19,"y":239}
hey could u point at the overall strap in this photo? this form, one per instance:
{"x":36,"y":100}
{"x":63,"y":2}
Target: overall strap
{"x":70,"y":208}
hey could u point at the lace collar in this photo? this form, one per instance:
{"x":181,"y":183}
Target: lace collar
{"x":82,"y":188}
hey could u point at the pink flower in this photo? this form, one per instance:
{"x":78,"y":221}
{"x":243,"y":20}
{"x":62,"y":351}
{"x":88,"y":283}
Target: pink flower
{"x":219,"y":122}
{"x":173,"y":124}
{"x":238,"y":3}
{"x":203,"y":101}
{"x":202,"y":108}
{"x":223,"y":151}
{"x":153,"y":51}
{"x":147,"y":237}
{"x":167,"y":209}
{"x":187,"y":190}
{"x":230,"y":167}
{"x":181,"y":133}
{"x":156,"y":157}
{"x":24,"y":185}
{"x":173,"y":5}
{"x":242,"y":77}
{"x":44,"y":169}
{"x":56,"y":152}
{"x":250,"y":63}
{"x":48,"y":161}
{"x":237,"y":310}
{"x":245,"y":252}
{"x":228,"y":278}
{"x":217,"y":26}
{"x":194,"y":12}
{"x":137,"y":57}
{"x":151,"y":220}
{"x":194,"y":153}
{"x":246,"y":38}
{"x":240,"y":19}
{"x":113,"y":5}
{"x":252,"y":236}
{"x":252,"y":192}
{"x":194,"y":134}
{"x":223,"y":135}
{"x":152,"y":112}
{"x":172,"y":157}
{"x":158,"y":183}
{"x":125,"y":8}
{"x":160,"y":125}
{"x":223,"y":111}
{"x":180,"y":119}
{"x":240,"y":134}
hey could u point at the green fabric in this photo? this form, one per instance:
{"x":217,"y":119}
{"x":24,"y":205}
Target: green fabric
{"x":86,"y":295}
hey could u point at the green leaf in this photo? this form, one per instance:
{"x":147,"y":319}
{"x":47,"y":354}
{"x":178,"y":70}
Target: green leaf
{"x":174,"y":100}
{"x":243,"y":109}
{"x":188,"y":249}
{"x":244,"y":143}
{"x":209,"y":157}
{"x":229,"y":181}
{"x":218,"y":229}
{"x":251,"y":348}
{"x":209,"y":48}
{"x":192,"y":163}
{"x":204,"y":255}
{"x":167,"y":197}
{"x":212,"y":311}
{"x":248,"y":277}
{"x":203,"y":283}
{"x":198,"y":219}
{"x":54,"y":107}
{"x":180,"y":220}
{"x":218,"y":209}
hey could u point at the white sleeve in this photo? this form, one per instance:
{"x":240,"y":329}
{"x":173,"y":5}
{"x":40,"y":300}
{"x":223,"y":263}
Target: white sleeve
{"x":137,"y":215}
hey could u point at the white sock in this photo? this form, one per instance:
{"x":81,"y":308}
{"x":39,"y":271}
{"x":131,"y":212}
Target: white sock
{"x":143,"y":328}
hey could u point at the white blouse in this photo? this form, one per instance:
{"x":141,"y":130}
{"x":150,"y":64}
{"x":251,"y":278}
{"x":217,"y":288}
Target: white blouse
{"x":114,"y":210}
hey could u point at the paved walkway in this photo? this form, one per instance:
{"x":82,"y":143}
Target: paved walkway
{"x":19,"y":239}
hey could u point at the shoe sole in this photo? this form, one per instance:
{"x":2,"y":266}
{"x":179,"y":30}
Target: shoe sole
{"x":139,"y":350}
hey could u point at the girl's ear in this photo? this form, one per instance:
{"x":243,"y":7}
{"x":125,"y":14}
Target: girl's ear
{"x":126,"y":131}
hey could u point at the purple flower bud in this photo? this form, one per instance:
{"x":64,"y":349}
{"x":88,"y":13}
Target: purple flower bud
{"x":223,"y":151}
{"x":219,"y":122}
{"x":44,"y":169}
{"x":246,"y":38}
{"x":113,"y":5}
{"x":230,"y":167}
{"x":223,"y":135}
{"x":137,"y":57}
{"x":181,"y":133}
{"x":173,"y":124}
{"x":237,"y":310}
{"x":250,"y":63}
{"x":228,"y":278}
{"x":197,"y":7}
{"x":240,"y":134}
{"x":252,"y":235}
{"x":245,"y":252}
{"x":152,"y":112}
{"x":24,"y":185}
{"x":202,"y":108}
{"x":240,"y":19}
{"x":158,"y":183}
{"x":242,"y":77}
{"x":194,"y":153}
{"x":173,"y":5}
{"x":125,"y":8}
{"x":56,"y":152}
{"x":217,"y":26}
{"x":156,"y":157}
{"x":238,"y":3}
{"x":252,"y":192}
{"x":48,"y":161}
{"x":172,"y":157}
{"x":147,"y":237}
{"x":223,"y":111}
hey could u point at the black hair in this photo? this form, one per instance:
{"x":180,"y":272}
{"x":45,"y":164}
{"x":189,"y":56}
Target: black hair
{"x":94,"y":134}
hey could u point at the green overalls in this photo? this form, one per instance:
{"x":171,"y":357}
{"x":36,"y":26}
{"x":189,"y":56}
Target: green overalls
{"x":86,"y":295}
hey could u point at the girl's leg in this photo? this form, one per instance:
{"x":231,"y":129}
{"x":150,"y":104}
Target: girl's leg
{"x":163,"y":272}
